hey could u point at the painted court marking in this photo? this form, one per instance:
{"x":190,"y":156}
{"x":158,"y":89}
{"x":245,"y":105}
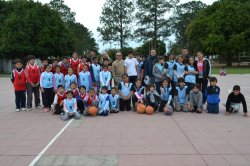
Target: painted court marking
{"x":50,"y":143}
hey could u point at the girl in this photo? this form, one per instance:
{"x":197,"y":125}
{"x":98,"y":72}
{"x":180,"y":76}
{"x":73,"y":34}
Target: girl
{"x":70,"y":77}
{"x":153,"y":98}
{"x":74,"y":62}
{"x":105,"y":78}
{"x":166,"y":95}
{"x":82,"y":64}
{"x":80,"y":99}
{"x":73,"y":88}
{"x":103,"y":106}
{"x":138,"y":91}
{"x":125,"y":93}
{"x":46,"y":83}
{"x":114,"y":101}
{"x":69,"y":107}
{"x":84,"y":78}
{"x":179,"y":70}
{"x":95,"y":69}
{"x":58,"y":78}
{"x":64,"y":64}
{"x":181,"y":96}
{"x":190,"y":72}
{"x":170,"y":69}
{"x":159,"y":72}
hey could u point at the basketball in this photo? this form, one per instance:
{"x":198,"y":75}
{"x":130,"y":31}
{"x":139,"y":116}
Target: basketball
{"x":168,"y":110}
{"x":140,"y":108}
{"x":92,"y":111}
{"x":149,"y":110}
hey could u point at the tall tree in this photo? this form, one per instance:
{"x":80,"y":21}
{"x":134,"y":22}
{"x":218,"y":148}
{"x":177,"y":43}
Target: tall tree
{"x":182,"y":16}
{"x":151,"y":19}
{"x":116,"y":21}
{"x":222,"y":28}
{"x":65,"y":12}
{"x":145,"y":48}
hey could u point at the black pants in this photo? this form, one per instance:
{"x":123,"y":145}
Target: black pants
{"x":20,"y":99}
{"x":190,"y":86}
{"x":48,"y":97}
{"x":163,"y":104}
{"x":80,"y":106}
{"x":132,"y":79}
{"x":125,"y":104}
{"x":30,"y":91}
{"x":203,"y":84}
{"x":58,"y":109}
{"x":134,"y":99}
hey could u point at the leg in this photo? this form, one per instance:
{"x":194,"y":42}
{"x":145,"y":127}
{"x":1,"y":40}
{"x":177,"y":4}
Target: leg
{"x":134,"y":100}
{"x":17,"y":95}
{"x":29,"y":95}
{"x":52,"y":95}
{"x":204,"y":86}
{"x":122,"y":106}
{"x":80,"y":106}
{"x":58,"y":109}
{"x":65,"y":116}
{"x":177,"y":105}
{"x":104,"y":113}
{"x":163,"y":104}
{"x":128,"y":104}
{"x":23,"y":99}
{"x":46,"y":97}
{"x":37,"y":96}
{"x":77,"y":115}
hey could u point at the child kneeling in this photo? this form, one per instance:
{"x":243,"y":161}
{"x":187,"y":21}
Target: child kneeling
{"x":195,"y":99}
{"x":103,"y":107}
{"x":153,"y":98}
{"x":69,"y":107}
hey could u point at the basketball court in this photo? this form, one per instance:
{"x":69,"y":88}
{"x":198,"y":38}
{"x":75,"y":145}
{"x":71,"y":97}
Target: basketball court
{"x":127,"y":138}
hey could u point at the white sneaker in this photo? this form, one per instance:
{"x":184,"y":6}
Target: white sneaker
{"x":17,"y":110}
{"x":23,"y":109}
{"x":29,"y":109}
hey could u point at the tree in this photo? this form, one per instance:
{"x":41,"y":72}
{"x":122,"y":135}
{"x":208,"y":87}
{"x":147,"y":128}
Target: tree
{"x":116,"y":21}
{"x":146,"y":47}
{"x":151,"y":20}
{"x":222,"y":28}
{"x":181,"y":18}
{"x":64,"y":11}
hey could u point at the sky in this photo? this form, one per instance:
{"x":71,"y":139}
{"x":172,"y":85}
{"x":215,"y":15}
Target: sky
{"x":89,"y":11}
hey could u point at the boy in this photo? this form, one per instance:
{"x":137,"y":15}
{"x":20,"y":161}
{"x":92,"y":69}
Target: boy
{"x":44,"y":62}
{"x":84,"y":62}
{"x":84,"y":78}
{"x":105,"y":78}
{"x":233,"y":102}
{"x":58,"y":78}
{"x":57,"y":105}
{"x":153,"y":98}
{"x":131,"y":67}
{"x":73,"y":88}
{"x":213,"y":96}
{"x":80,"y":99}
{"x":53,"y":65}
{"x":74,"y":62}
{"x":125,"y":92}
{"x":69,"y":78}
{"x":95,"y":69}
{"x":32,"y":74}
{"x":91,"y":99}
{"x":179,"y":70}
{"x":169,"y":65}
{"x":64,"y":64}
{"x":181,"y":96}
{"x":166,"y":95}
{"x":114,"y":101}
{"x":160,"y":73}
{"x":19,"y":82}
{"x":195,"y":99}
{"x":103,"y":107}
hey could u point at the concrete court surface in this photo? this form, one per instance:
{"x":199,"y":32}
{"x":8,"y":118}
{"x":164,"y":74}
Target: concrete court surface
{"x":126,"y":138}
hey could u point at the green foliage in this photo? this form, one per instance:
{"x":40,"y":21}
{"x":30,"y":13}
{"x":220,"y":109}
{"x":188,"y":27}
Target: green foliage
{"x":116,"y":21}
{"x":222,"y":28}
{"x":151,"y":20}
{"x":124,"y":51}
{"x":147,"y":46}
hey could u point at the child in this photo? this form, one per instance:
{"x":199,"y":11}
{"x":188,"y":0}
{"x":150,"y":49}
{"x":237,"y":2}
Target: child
{"x":190,"y":72}
{"x":195,"y":99}
{"x":223,"y":72}
{"x":103,"y":107}
{"x":84,"y":78}
{"x":81,"y":99}
{"x":181,"y":96}
{"x":46,"y":83}
{"x":114,"y":101}
{"x":213,"y":96}
{"x":44,"y":63}
{"x":166,"y":95}
{"x":69,"y":107}
{"x":53,"y":65}
{"x":170,"y":69}
{"x":32,"y":74}
{"x":233,"y":102}
{"x":19,"y":82}
{"x":125,"y":92}
{"x":106,"y":63}
{"x":57,"y":105}
{"x":58,"y":78}
{"x":153,"y":98}
{"x":73,"y":88}
{"x":70,"y":77}
{"x":74,"y":62}
{"x":179,"y":70}
{"x":160,"y":73}
{"x":138,"y":92}
{"x":131,"y":67}
{"x":95,"y":69}
{"x":64,"y":64}
{"x":91,"y":99}
{"x":105,"y":78}
{"x":84,"y":62}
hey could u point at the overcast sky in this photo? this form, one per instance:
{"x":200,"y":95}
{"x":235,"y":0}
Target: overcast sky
{"x":89,"y":11}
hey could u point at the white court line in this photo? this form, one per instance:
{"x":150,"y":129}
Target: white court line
{"x":49,"y":144}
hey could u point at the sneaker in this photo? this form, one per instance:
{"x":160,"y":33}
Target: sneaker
{"x":39,"y":107}
{"x":46,"y":109}
{"x":17,"y":110}
{"x":24,"y":109}
{"x":53,"y":108}
{"x":29,"y":108}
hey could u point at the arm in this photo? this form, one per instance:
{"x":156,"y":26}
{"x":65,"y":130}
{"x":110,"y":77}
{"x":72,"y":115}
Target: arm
{"x":12,"y":77}
{"x":39,"y":75}
{"x":92,"y":74}
{"x":54,"y":82}
{"x":55,"y":100}
{"x":169,"y":99}
{"x":75,"y":106}
{"x":107,"y":104}
{"x":244,"y":103}
{"x":113,"y":71}
{"x":108,"y":80}
{"x":175,"y":68}
{"x":78,"y":69}
{"x":41,"y":80}
{"x":65,"y":108}
{"x":228,"y":103}
{"x":155,"y":73}
{"x":101,"y":80}
{"x":200,"y":99}
{"x":137,"y":69}
{"x":27,"y":75}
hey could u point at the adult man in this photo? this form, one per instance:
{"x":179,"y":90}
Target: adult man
{"x":185,"y":55}
{"x":118,"y":68}
{"x":131,"y":67}
{"x":204,"y":72}
{"x":148,"y":67}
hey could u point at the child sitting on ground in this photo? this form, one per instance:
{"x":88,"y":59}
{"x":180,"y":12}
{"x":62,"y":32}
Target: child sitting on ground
{"x":195,"y":99}
{"x":166,"y":95}
{"x":80,"y":99}
{"x":73,"y":87}
{"x":181,"y":96}
{"x":234,"y":100}
{"x":57,"y":105}
{"x":125,"y":92}
{"x":114,"y":101}
{"x":103,"y":108}
{"x":153,"y":98}
{"x":91,"y":100}
{"x":138,"y":91}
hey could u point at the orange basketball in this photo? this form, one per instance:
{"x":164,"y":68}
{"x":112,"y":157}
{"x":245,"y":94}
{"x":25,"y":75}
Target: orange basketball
{"x":140,"y":108}
{"x":149,"y":110}
{"x":92,"y":111}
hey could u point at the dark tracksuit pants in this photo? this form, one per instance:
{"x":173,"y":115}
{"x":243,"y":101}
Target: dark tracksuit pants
{"x":48,"y":97}
{"x":125,"y":104}
{"x":203,"y":84}
{"x":30,"y":91}
{"x":20,"y":99}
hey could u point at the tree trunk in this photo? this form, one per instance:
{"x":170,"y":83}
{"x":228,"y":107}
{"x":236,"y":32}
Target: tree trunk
{"x":121,"y":23}
{"x":155,"y":25}
{"x":229,"y":58}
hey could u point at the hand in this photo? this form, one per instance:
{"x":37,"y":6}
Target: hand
{"x":42,"y":90}
{"x":245,"y":115}
{"x":33,"y":85}
{"x":37,"y":84}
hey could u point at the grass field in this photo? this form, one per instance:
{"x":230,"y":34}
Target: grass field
{"x":232,"y":70}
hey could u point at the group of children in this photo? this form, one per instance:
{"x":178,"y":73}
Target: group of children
{"x":71,"y":87}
